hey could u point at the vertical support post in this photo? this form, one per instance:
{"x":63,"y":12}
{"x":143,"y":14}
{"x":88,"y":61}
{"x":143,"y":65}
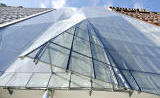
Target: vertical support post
{"x":47,"y":94}
{"x":70,"y":80}
{"x":90,"y":92}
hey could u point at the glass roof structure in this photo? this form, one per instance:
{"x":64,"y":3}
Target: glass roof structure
{"x":77,"y":50}
{"x":94,"y":49}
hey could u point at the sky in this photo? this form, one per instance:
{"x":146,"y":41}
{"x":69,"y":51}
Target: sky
{"x":151,"y":5}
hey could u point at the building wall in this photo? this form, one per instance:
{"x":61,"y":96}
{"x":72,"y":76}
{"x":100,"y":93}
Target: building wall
{"x":73,"y":94}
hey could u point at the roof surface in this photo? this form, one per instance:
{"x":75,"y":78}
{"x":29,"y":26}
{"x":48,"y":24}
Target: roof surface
{"x":87,"y":48}
{"x":10,"y":15}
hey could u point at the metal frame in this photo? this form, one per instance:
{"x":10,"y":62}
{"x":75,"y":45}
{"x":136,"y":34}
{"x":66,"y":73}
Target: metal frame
{"x":70,"y":54}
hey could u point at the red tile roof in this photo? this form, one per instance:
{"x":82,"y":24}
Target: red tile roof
{"x":142,"y":14}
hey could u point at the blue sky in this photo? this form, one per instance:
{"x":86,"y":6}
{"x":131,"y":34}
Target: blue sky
{"x":152,"y":5}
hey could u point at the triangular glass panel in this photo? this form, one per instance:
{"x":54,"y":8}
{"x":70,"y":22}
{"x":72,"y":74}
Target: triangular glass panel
{"x":71,"y":30}
{"x":45,"y":56}
{"x":64,"y":40}
{"x":83,"y":25}
{"x":82,"y":30}
{"x":33,"y":53}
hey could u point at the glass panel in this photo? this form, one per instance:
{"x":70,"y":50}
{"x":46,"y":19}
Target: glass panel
{"x":102,"y":71}
{"x":153,"y":64}
{"x":82,"y":33}
{"x":119,"y":78}
{"x":95,"y":40}
{"x":146,"y":81}
{"x":81,"y":64}
{"x":146,"y":64}
{"x":45,"y":56}
{"x":39,"y":80}
{"x":134,"y":48}
{"x":99,"y":53}
{"x":130,"y":79}
{"x":92,"y":31}
{"x":19,"y":79}
{"x":117,"y":74}
{"x":33,"y":54}
{"x":59,"y":80}
{"x":155,"y":81}
{"x":155,"y":50}
{"x":64,"y":39}
{"x":117,"y":60}
{"x":151,"y":51}
{"x":93,"y":37}
{"x":80,"y":81}
{"x":59,"y":55}
{"x":58,"y":70}
{"x":143,"y":50}
{"x":83,"y":25}
{"x":97,"y":84}
{"x":81,"y":46}
{"x":71,"y":30}
{"x":5,"y":78}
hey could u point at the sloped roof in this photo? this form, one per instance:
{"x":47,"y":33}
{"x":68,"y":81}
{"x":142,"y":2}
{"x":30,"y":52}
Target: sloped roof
{"x":87,"y":48}
{"x":10,"y":15}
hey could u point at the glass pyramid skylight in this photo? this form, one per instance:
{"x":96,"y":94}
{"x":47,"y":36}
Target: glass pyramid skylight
{"x":77,"y":50}
{"x":80,"y":52}
{"x":81,"y":58}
